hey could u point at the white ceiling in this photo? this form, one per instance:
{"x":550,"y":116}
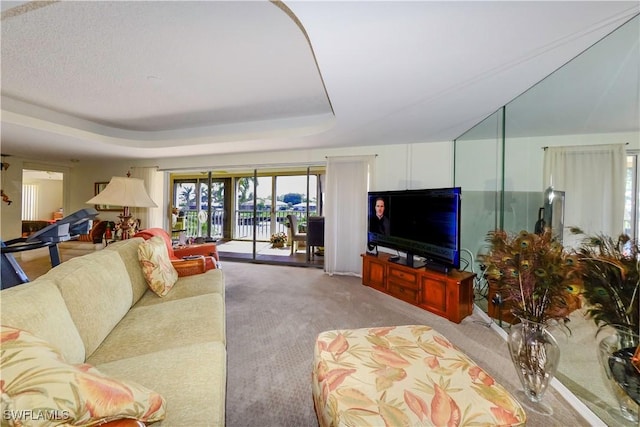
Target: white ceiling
{"x":173,"y":78}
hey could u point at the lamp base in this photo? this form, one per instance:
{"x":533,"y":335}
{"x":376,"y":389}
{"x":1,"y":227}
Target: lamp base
{"x":128,"y":226}
{"x":124,"y":226}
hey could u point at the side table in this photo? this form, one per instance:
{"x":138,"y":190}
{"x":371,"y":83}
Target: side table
{"x":206,"y":249}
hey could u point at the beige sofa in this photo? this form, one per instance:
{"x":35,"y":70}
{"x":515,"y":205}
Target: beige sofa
{"x":97,"y":309}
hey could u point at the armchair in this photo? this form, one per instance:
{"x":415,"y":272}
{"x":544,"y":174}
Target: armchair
{"x":202,"y":257}
{"x":294,"y":235}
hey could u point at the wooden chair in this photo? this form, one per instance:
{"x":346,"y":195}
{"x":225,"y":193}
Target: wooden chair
{"x":294,"y":235}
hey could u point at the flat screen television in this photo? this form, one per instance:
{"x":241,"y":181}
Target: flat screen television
{"x":421,"y":223}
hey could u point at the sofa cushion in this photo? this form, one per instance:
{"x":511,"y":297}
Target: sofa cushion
{"x":97,"y":291}
{"x":209,"y":282}
{"x":195,"y":395}
{"x":156,"y":265}
{"x":128,"y":251}
{"x":47,"y":316}
{"x":35,"y":377}
{"x":161,"y":326}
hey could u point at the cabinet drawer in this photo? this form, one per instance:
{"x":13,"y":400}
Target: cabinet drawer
{"x":406,"y":294}
{"x":407,"y":279}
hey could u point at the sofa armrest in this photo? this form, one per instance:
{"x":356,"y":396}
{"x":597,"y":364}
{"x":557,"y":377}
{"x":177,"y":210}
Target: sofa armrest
{"x":189,"y":267}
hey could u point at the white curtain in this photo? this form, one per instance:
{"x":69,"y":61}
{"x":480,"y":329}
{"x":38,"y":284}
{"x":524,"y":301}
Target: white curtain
{"x":345,"y":212}
{"x":150,"y":217}
{"x":593,"y":179}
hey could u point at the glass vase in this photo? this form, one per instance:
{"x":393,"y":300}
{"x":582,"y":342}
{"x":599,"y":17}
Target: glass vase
{"x":535,"y":355}
{"x":621,"y":339}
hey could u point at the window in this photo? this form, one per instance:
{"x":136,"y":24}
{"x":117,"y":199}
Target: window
{"x":29,"y":202}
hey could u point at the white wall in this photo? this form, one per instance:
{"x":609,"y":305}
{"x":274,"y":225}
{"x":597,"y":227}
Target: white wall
{"x":83,"y":179}
{"x":397,"y":167}
{"x":49,"y":197}
{"x":10,"y":215}
{"x":53,"y":194}
{"x":480,"y":173}
{"x":524,"y":159}
{"x":77,"y":188}
{"x":401,"y":166}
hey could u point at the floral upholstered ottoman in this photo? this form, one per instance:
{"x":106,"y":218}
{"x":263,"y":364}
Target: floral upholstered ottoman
{"x":404,"y":376}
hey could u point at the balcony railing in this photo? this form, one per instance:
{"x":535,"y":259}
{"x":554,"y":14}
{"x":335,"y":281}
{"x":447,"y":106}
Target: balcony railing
{"x":244,"y":223}
{"x":194,"y":228}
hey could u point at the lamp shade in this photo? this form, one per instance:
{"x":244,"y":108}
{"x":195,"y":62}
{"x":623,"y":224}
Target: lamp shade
{"x":124,"y":191}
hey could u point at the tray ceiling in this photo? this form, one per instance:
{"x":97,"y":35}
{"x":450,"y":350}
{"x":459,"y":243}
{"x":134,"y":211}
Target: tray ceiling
{"x":179,"y":78}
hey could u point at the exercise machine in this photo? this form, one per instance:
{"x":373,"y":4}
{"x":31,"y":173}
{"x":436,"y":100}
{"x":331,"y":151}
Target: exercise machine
{"x":67,"y":228}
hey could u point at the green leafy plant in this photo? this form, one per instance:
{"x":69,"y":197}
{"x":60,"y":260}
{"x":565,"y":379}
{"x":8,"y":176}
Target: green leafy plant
{"x":609,"y":268}
{"x":534,"y":273}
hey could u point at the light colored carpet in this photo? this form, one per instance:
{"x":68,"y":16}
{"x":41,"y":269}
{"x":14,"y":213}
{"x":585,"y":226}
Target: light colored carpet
{"x":274,"y":314}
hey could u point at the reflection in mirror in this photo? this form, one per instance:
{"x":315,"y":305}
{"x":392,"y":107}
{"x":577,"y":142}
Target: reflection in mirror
{"x":477,"y":160}
{"x":592,"y":100}
{"x":553,"y":210}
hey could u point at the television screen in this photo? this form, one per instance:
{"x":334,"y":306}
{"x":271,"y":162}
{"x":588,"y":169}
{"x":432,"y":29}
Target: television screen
{"x":423,"y":223}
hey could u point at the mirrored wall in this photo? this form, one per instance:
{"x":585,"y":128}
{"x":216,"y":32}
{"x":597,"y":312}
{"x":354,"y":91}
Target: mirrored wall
{"x":592,"y":100}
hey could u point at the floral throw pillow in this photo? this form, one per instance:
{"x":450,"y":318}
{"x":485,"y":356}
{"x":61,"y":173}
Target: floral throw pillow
{"x":40,"y":389}
{"x":158,"y":271}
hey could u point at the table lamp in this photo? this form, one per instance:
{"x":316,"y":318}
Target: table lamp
{"x":126,"y":192}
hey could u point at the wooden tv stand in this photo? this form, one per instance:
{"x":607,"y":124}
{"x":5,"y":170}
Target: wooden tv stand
{"x":449,"y":295}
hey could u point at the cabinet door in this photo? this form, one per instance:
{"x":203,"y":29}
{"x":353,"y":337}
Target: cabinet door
{"x":434,"y":295}
{"x":373,"y":273}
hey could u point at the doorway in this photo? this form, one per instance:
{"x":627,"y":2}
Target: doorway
{"x":198,"y":209}
{"x":42,"y":195}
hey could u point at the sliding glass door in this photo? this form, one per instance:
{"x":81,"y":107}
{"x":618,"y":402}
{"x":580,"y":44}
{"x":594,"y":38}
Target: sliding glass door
{"x":242,"y":210}
{"x":199,"y":207}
